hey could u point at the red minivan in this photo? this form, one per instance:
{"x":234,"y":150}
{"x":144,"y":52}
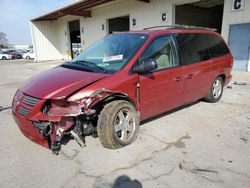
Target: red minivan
{"x":119,"y":81}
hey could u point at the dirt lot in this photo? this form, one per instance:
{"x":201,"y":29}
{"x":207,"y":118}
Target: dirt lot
{"x":200,"y":145}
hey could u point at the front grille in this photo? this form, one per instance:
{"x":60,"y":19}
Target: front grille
{"x":24,"y":103}
{"x":24,"y":111}
{"x":31,"y":101}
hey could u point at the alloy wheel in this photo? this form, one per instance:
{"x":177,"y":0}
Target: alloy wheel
{"x":124,"y":125}
{"x":217,"y":88}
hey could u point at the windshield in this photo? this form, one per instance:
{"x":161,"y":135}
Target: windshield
{"x":109,"y":54}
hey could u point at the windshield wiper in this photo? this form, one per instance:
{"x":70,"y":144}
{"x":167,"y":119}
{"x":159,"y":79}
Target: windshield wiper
{"x":90,"y":64}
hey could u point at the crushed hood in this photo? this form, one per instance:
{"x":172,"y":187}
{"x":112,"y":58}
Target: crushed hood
{"x":59,"y":82}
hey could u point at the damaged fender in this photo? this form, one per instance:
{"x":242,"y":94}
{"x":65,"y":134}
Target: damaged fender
{"x":97,"y":96}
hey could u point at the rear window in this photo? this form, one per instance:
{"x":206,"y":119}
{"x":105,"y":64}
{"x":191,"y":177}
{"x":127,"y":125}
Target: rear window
{"x":193,"y":48}
{"x":197,"y":47}
{"x":216,"y":46}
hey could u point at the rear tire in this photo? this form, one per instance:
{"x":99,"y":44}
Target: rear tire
{"x":28,"y":57}
{"x":216,"y":91}
{"x":4,"y":58}
{"x":118,"y":124}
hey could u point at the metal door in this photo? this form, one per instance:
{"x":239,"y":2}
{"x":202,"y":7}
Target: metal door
{"x":239,"y":43}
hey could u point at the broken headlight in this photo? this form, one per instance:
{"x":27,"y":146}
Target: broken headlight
{"x":61,"y":108}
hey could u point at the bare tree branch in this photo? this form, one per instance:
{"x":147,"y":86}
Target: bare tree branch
{"x":3,"y":40}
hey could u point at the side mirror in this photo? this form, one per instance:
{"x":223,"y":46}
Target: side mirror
{"x":147,"y":66}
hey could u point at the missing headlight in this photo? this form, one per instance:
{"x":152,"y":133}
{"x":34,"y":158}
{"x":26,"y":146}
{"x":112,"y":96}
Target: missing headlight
{"x":46,"y":107}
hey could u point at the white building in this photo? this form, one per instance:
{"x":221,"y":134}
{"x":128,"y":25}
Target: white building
{"x":21,"y":46}
{"x":57,"y":34}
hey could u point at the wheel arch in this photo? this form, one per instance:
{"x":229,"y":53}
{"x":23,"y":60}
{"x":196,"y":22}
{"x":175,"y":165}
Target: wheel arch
{"x":114,"y":97}
{"x":223,"y":76}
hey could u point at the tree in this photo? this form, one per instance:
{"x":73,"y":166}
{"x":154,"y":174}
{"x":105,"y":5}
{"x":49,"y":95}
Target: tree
{"x":3,"y":40}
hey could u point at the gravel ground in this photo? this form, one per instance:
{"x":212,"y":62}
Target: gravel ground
{"x":199,"y":145}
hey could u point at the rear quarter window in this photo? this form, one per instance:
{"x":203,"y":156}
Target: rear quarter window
{"x":216,"y":46}
{"x":193,"y":48}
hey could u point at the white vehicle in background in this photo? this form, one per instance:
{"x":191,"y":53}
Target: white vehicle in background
{"x":29,"y":55}
{"x":5,"y":56}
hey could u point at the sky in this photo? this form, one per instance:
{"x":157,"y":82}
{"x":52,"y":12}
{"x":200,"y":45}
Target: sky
{"x":15,"y":16}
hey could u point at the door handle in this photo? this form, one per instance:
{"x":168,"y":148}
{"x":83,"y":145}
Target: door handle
{"x":178,"y":79}
{"x":189,"y":76}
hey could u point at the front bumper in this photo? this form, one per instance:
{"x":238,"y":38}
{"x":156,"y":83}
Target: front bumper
{"x":29,"y":131}
{"x":25,"y":109}
{"x":37,"y":126}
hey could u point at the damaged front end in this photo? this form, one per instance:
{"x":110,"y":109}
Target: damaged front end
{"x":72,"y":120}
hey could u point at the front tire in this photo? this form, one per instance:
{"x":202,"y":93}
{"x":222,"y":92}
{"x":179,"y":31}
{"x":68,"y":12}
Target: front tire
{"x":118,"y":124}
{"x":28,"y":57}
{"x":216,"y":91}
{"x":4,"y":58}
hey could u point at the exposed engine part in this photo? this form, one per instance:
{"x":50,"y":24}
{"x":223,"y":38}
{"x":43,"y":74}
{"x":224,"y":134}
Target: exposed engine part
{"x":81,"y":130}
{"x":77,"y":128}
{"x":77,"y":132}
{"x":84,"y":126}
{"x":80,"y":141}
{"x":88,"y":129}
{"x":44,"y":127}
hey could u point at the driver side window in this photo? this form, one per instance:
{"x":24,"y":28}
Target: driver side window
{"x":162,"y":50}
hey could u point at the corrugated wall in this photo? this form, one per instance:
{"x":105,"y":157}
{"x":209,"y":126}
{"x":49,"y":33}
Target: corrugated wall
{"x":45,"y":40}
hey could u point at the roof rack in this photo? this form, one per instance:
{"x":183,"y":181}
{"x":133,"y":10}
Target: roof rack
{"x":177,"y":26}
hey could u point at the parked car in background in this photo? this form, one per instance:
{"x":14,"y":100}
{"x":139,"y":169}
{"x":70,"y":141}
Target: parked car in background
{"x":29,"y":55}
{"x":5,"y":56}
{"x":119,"y":81}
{"x":21,"y":51}
{"x":14,"y":54}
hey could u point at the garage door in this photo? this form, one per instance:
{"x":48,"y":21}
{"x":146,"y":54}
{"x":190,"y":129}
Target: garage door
{"x":239,"y":43}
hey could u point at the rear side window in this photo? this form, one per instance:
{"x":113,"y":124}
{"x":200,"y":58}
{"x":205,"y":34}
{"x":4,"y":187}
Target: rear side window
{"x":216,"y":46}
{"x":193,"y":48}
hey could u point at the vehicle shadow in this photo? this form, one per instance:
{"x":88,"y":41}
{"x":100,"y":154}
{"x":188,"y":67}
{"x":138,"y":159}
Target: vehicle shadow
{"x":122,"y":181}
{"x":125,"y":182}
{"x":4,"y":108}
{"x":170,"y":112}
